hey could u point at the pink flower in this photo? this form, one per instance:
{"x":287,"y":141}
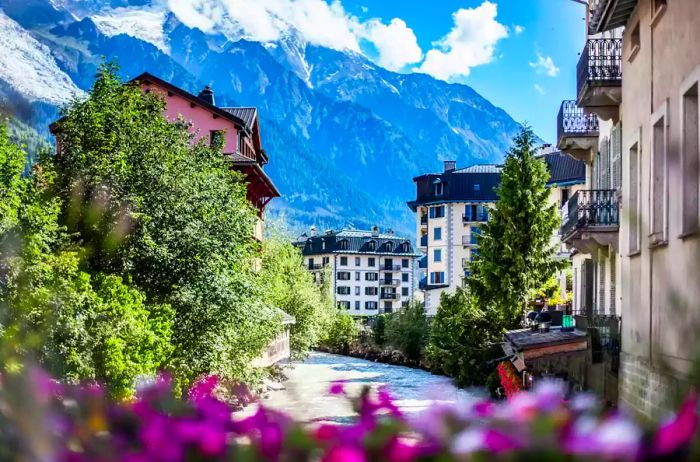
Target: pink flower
{"x":400,"y":451}
{"x":337,"y":388}
{"x":344,"y":454}
{"x":676,"y":433}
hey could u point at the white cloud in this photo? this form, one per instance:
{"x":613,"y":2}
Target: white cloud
{"x":396,"y":43}
{"x":545,"y":65}
{"x":470,"y":43}
{"x":200,"y":14}
{"x":518,"y":29}
{"x":539,"y":89}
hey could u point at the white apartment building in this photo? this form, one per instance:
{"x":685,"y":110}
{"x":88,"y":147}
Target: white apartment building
{"x":450,"y":207}
{"x":373,"y":272}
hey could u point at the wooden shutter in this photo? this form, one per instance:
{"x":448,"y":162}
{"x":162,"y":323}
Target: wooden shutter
{"x":616,"y":156}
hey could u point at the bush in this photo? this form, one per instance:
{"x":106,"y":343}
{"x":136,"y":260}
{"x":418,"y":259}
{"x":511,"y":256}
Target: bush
{"x":408,"y":330}
{"x":379,"y":329}
{"x":343,"y":333}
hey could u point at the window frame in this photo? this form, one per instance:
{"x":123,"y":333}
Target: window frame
{"x":437,"y":255}
{"x":693,"y":80}
{"x":635,"y":208}
{"x":437,"y":233}
{"x":659,"y":237}
{"x":343,"y":261}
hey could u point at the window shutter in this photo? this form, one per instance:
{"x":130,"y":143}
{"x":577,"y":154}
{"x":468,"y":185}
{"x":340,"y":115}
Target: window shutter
{"x":604,"y":167}
{"x":616,"y":153}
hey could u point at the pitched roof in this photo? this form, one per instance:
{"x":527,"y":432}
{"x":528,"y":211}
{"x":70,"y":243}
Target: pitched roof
{"x":564,"y":169}
{"x":477,"y":183}
{"x":356,"y":241}
{"x":246,"y":114}
{"x":480,"y":168}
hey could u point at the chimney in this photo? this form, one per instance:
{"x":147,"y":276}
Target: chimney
{"x":207,"y":95}
{"x":390,"y":232}
{"x":375,"y":231}
{"x":312,"y":232}
{"x":450,"y":166}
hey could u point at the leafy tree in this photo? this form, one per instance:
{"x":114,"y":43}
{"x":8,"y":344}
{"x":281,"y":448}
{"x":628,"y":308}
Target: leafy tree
{"x":150,"y":203}
{"x":408,"y":330}
{"x":343,"y":332}
{"x":290,"y":287}
{"x":379,"y":329}
{"x":516,"y":253}
{"x":461,"y":336}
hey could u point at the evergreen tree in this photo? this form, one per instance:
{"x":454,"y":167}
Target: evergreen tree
{"x":516,"y":253}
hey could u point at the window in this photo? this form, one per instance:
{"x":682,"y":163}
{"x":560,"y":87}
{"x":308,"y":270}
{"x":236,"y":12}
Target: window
{"x":344,"y":305}
{"x":437,"y":233}
{"x":389,"y":246}
{"x":357,"y":305}
{"x":439,"y":189}
{"x":326,"y":260}
{"x":437,"y":255}
{"x":371,"y":291}
{"x":343,"y":261}
{"x":404,"y":291}
{"x":311,"y":263}
{"x":406,"y":247}
{"x":372,"y":245}
{"x":437,"y":212}
{"x":404,"y":263}
{"x":690,"y":158}
{"x":388,"y":263}
{"x":371,"y":276}
{"x":437,"y":277}
{"x":370,"y":305}
{"x":343,"y":290}
{"x":634,"y":206}
{"x":216,"y":139}
{"x":343,"y":276}
{"x":635,"y":42}
{"x":616,"y":157}
{"x":343,"y":244}
{"x":404,"y":277}
{"x":357,"y":261}
{"x":357,"y":275}
{"x":564,"y":197}
{"x":658,"y":204}
{"x":477,"y":187}
{"x":357,"y":290}
{"x":371,"y":262}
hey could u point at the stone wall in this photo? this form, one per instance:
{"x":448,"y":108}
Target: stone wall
{"x":645,"y":389}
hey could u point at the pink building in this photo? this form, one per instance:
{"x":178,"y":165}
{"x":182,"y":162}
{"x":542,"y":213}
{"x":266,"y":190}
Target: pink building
{"x":236,"y":127}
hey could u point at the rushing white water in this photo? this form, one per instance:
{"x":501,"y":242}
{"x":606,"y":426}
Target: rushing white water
{"x":305,"y":395}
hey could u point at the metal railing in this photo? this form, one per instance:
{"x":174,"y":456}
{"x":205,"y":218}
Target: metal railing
{"x":424,"y":220}
{"x":389,"y":296}
{"x":600,"y":63}
{"x":390,"y":282}
{"x":573,"y":121}
{"x":390,"y":268}
{"x":590,"y":208}
{"x":605,"y":332}
{"x":315,"y":267}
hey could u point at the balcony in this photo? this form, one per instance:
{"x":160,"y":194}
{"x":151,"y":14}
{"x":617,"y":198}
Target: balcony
{"x":577,"y":131}
{"x":476,"y":214}
{"x":389,"y":296}
{"x":591,"y":220}
{"x":424,"y":241}
{"x":315,"y":267}
{"x":390,"y":268}
{"x":607,"y":15}
{"x":423,"y":263}
{"x":424,"y":220}
{"x":390,"y":282}
{"x":599,"y":77}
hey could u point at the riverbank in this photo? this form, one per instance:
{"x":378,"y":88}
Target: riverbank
{"x":371,"y":352}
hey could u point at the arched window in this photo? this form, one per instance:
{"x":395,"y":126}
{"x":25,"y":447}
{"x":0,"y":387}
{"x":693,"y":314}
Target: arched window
{"x":406,"y":247}
{"x":343,"y":244}
{"x":372,"y":245}
{"x":389,"y":246}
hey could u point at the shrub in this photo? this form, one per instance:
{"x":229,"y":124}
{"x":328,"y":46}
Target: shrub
{"x":408,"y":330}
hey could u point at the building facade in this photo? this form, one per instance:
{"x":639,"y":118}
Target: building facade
{"x":635,"y":123}
{"x":450,"y":207}
{"x":372,"y":272}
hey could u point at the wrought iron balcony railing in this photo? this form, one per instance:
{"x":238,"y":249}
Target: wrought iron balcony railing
{"x":573,"y":121}
{"x":600,"y":63}
{"x":589,"y":209}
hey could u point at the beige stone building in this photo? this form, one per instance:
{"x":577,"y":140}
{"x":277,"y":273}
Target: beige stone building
{"x":635,"y":122}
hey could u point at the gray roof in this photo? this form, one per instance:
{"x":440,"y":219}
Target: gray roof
{"x":564,"y":169}
{"x":525,"y":339}
{"x":356,"y":241}
{"x":246,"y":114}
{"x":480,"y":168}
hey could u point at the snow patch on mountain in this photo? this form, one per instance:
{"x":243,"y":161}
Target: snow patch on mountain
{"x":29,"y":67}
{"x":142,"y":23}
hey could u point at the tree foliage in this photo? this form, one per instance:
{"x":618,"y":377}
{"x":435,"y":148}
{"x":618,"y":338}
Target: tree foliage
{"x":342,"y":333}
{"x":291,"y":288}
{"x":408,"y":330}
{"x":461,"y":339}
{"x":516,"y":253}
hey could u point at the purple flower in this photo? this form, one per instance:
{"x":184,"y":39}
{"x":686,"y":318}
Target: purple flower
{"x":337,"y":388}
{"x":677,"y":432}
{"x":344,"y":454}
{"x":616,"y":437}
{"x":484,"y":439}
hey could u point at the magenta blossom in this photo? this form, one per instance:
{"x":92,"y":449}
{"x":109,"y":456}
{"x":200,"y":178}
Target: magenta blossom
{"x":337,"y":388}
{"x":677,"y":432}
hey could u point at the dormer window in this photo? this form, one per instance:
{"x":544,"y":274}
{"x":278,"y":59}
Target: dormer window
{"x":406,"y":247}
{"x":389,"y":246}
{"x":343,"y":244}
{"x":372,"y":245}
{"x":439,"y":188}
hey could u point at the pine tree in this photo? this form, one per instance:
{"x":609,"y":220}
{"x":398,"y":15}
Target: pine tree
{"x":516,"y":253}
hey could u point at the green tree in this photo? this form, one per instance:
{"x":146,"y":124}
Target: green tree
{"x":408,"y":330}
{"x":343,"y":333}
{"x":516,"y":254}
{"x":152,"y":204}
{"x":461,"y":339}
{"x":291,"y":288}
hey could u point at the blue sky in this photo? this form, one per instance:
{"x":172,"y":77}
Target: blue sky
{"x":519,"y":54}
{"x":550,"y":28}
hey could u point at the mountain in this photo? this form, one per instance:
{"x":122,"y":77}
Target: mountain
{"x":345,"y":136}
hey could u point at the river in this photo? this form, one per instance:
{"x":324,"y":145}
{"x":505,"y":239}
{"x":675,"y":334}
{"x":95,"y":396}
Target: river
{"x":305,"y":394}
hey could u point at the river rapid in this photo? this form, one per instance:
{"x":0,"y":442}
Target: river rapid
{"x":305,"y":396}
